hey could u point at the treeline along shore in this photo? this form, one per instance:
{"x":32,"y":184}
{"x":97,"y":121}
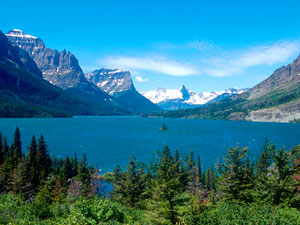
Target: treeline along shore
{"x":36,"y":188}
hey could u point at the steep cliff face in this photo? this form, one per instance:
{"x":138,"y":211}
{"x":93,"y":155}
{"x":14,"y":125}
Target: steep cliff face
{"x":111,"y":81}
{"x":62,"y":69}
{"x":18,"y":55}
{"x":285,"y":78}
{"x":119,"y":84}
{"x":25,"y":94}
{"x":59,"y":68}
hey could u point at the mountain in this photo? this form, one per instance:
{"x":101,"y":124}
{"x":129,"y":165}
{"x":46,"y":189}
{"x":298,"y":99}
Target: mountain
{"x":173,"y":99}
{"x":62,"y":70}
{"x":24,"y":93}
{"x":119,"y":84}
{"x":276,"y":99}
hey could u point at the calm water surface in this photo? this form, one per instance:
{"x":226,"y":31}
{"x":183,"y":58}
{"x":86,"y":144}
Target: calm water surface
{"x":108,"y":141}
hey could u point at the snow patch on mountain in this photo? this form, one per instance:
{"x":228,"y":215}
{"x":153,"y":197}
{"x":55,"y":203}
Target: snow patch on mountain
{"x":184,"y":96}
{"x":20,"y":34}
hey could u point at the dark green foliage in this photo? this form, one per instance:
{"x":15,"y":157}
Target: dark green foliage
{"x":172,"y":191}
{"x":166,"y":191}
{"x":265,"y":159}
{"x":130,"y":185}
{"x":43,"y":160}
{"x":236,"y":175}
{"x":16,"y":148}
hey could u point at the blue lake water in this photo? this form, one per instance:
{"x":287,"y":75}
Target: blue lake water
{"x":108,"y":141}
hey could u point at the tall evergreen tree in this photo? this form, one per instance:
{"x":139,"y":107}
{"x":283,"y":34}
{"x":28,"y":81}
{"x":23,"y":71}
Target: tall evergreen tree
{"x":17,"y":147}
{"x":133,"y":183}
{"x":210,"y":180}
{"x":1,"y":150}
{"x":167,"y":192}
{"x":84,"y":175}
{"x":192,"y":174}
{"x":32,"y":164}
{"x":233,"y":182}
{"x":66,"y":171}
{"x":43,"y":159}
{"x":265,"y":159}
{"x":277,"y":187}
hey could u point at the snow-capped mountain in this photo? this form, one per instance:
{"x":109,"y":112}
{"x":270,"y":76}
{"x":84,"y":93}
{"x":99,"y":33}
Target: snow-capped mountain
{"x":111,"y":81}
{"x":119,"y":84}
{"x":172,"y":99}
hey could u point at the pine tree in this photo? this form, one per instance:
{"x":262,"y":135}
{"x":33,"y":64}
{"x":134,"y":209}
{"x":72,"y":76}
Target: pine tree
{"x":84,"y":175}
{"x":192,"y":174}
{"x":75,"y":166}
{"x":66,"y":171}
{"x":233,"y":180}
{"x":167,"y":192}
{"x":118,"y":191}
{"x":17,"y":147}
{"x":278,"y":184}
{"x":19,"y":178}
{"x":133,"y":184}
{"x":265,"y":159}
{"x":210,"y":183}
{"x":43,"y":159}
{"x":32,"y":164}
{"x":1,"y":150}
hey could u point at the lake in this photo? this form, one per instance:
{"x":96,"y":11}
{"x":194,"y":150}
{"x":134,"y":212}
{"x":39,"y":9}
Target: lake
{"x":108,"y":141}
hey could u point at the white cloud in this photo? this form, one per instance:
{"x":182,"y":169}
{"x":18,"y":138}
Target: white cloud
{"x":141,"y":79}
{"x":154,"y":64}
{"x":196,"y":45}
{"x":224,"y":63}
{"x":232,"y":63}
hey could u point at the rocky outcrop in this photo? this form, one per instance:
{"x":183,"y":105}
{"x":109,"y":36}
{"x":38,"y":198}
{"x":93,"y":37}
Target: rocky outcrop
{"x":284,"y":78}
{"x":119,"y":84}
{"x":59,"y":68}
{"x":25,"y":94}
{"x":111,"y":81}
{"x":62,"y":69}
{"x":18,"y":55}
{"x":283,"y":113}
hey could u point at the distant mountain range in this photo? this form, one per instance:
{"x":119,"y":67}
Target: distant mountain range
{"x":276,"y":99}
{"x":173,"y":99}
{"x":62,"y":70}
{"x":36,"y":81}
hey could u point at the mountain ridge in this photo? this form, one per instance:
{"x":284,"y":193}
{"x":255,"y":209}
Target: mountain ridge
{"x":172,"y":99}
{"x":275,"y":99}
{"x":119,"y":84}
{"x":62,"y":69}
{"x":24,"y":94}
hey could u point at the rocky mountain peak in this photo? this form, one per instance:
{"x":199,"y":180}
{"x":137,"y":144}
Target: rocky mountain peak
{"x":59,"y":68}
{"x":111,"y":80}
{"x":20,"y":34}
{"x":185,"y":92}
{"x":25,"y":41}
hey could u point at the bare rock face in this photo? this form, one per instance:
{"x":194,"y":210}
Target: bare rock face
{"x":119,"y":84}
{"x":18,"y":55}
{"x":282,"y":79}
{"x":59,"y":68}
{"x":283,"y":113}
{"x":111,"y":81}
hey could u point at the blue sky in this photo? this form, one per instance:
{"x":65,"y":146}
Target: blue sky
{"x":205,"y":45}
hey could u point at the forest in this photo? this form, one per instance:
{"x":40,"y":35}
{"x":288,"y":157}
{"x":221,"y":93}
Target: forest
{"x":38,"y":188}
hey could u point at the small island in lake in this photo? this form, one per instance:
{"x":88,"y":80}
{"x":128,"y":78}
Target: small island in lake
{"x":164,"y":127}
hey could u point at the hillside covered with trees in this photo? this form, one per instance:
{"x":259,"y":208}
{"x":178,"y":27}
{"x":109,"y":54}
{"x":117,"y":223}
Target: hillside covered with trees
{"x":39,"y":189}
